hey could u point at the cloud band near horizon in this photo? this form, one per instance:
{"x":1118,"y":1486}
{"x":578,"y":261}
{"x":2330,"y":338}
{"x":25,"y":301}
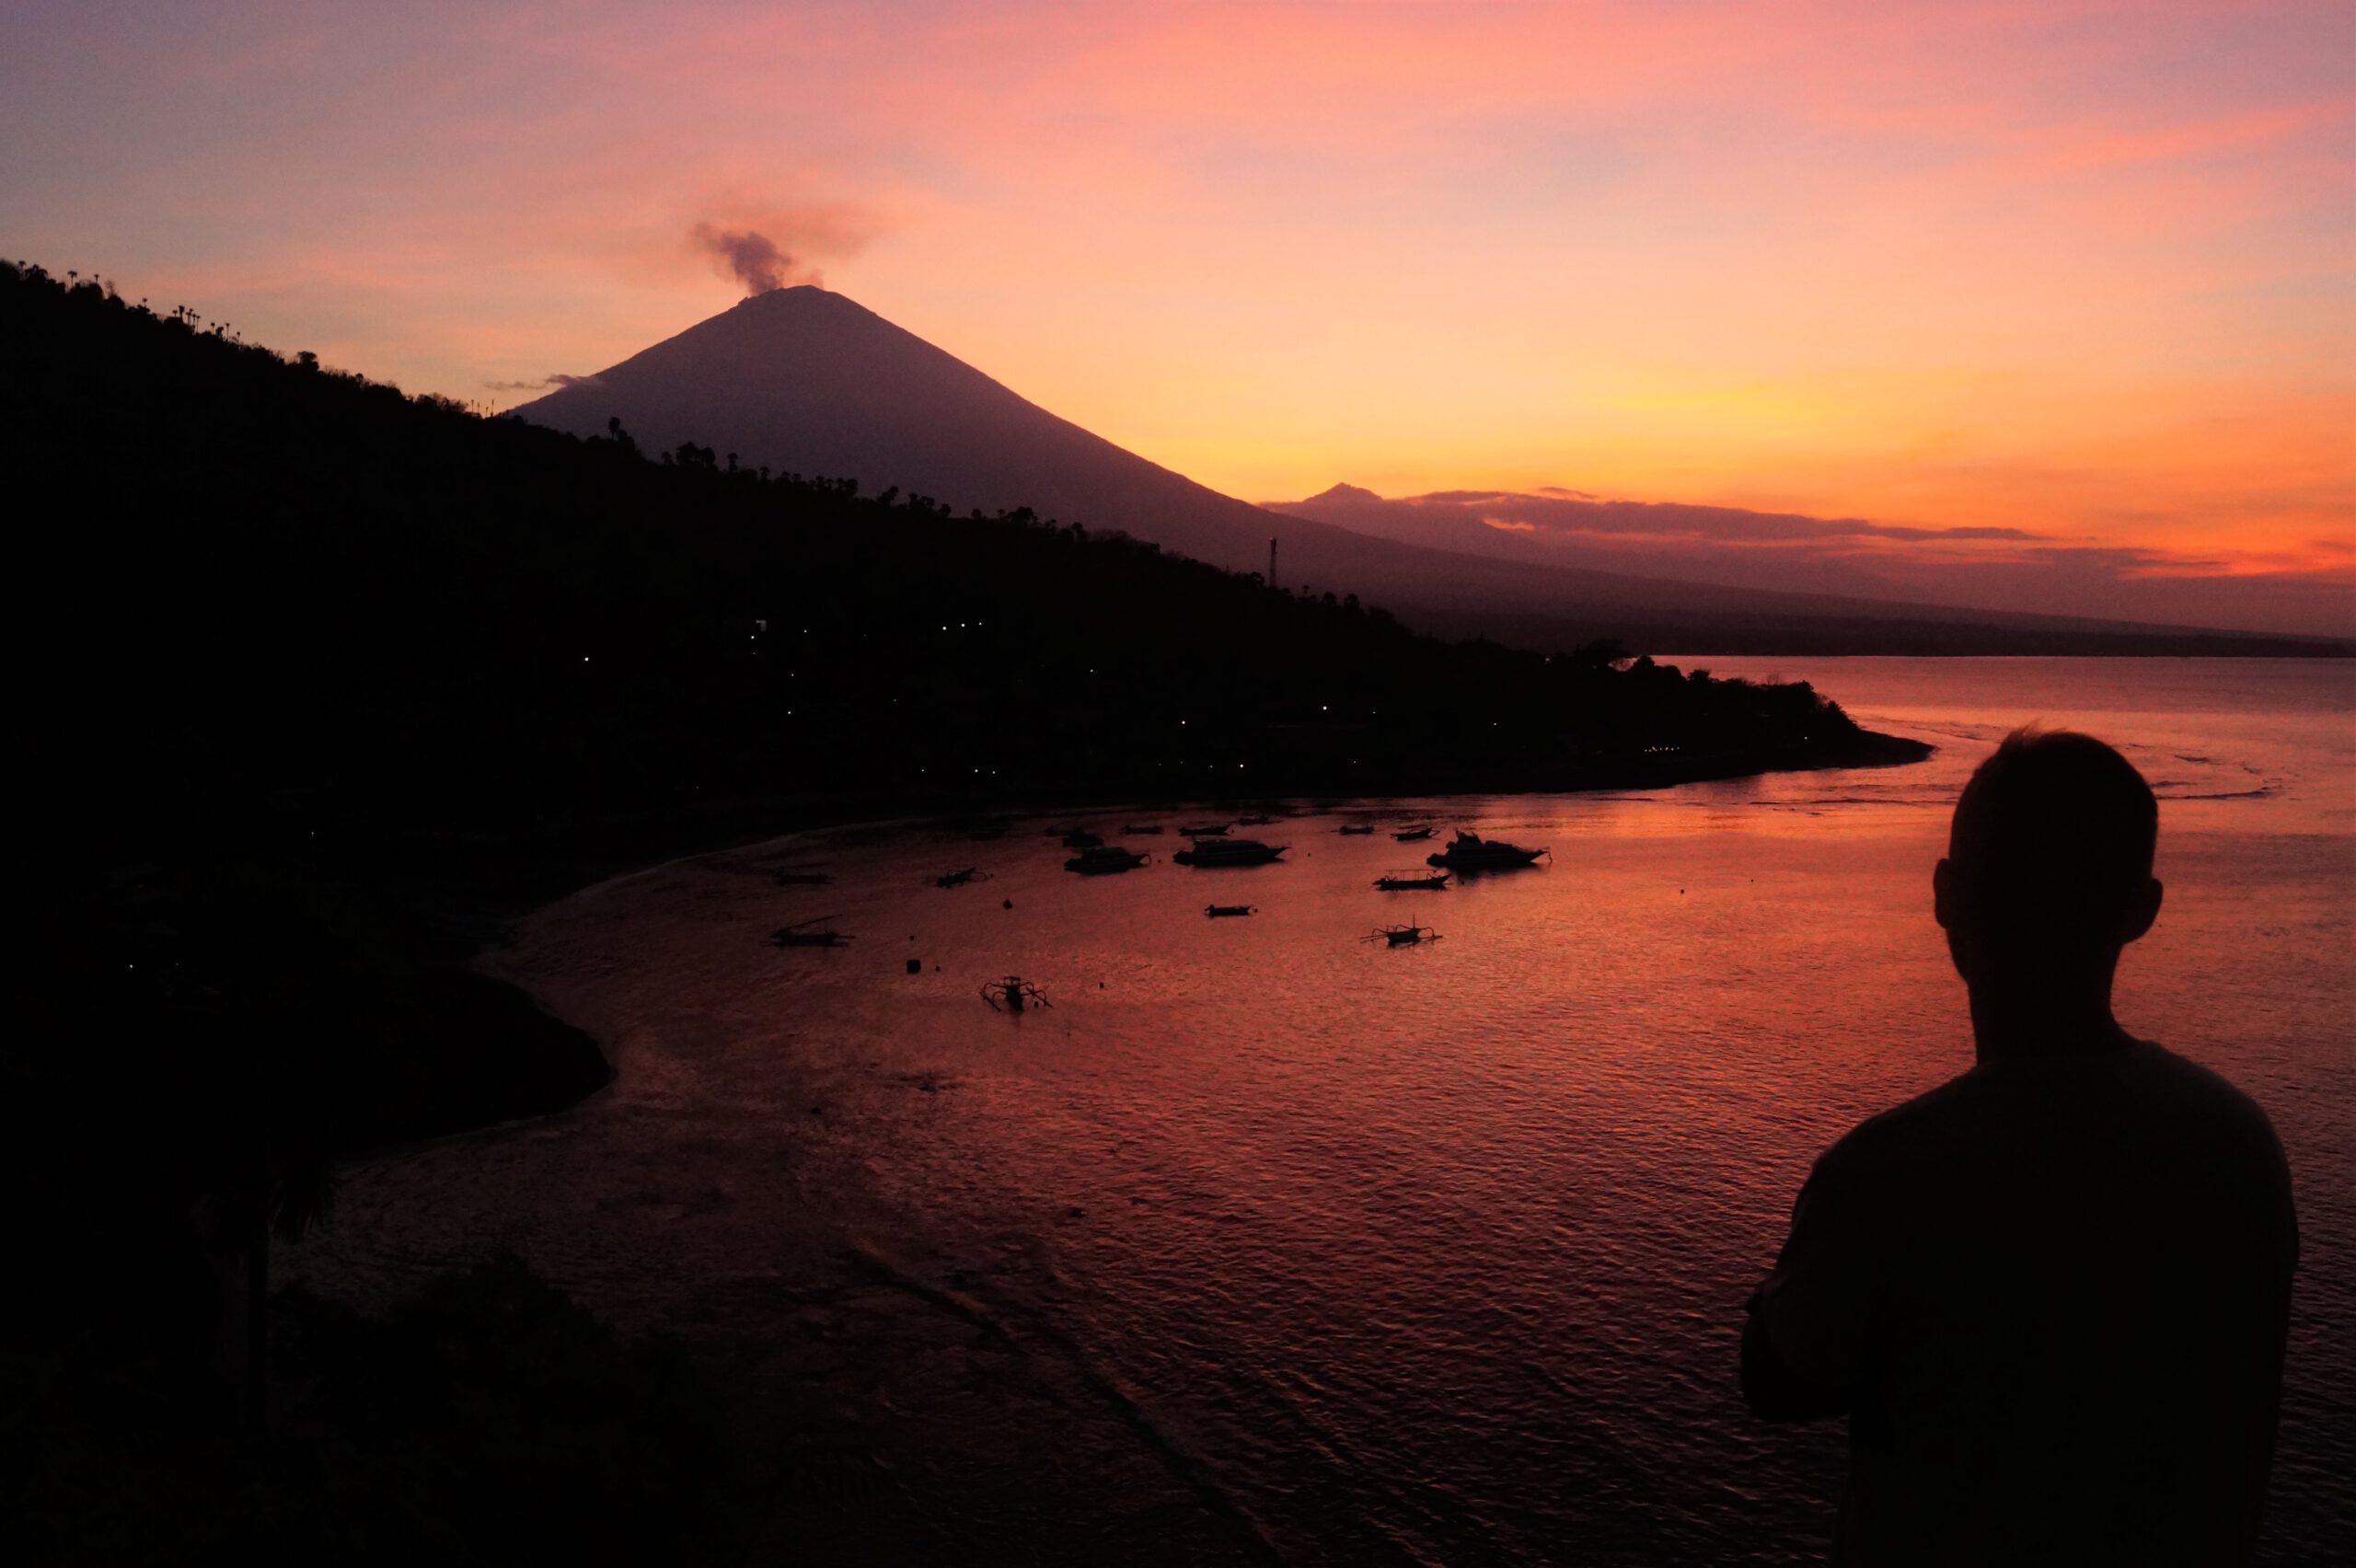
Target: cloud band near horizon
{"x":1985,"y":566}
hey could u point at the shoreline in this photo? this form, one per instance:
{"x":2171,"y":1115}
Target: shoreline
{"x":564,"y":872}
{"x":587,"y":867}
{"x":875,"y":1366}
{"x":492,"y":1056}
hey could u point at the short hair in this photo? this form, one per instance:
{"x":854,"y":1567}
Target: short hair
{"x":2052,"y":838}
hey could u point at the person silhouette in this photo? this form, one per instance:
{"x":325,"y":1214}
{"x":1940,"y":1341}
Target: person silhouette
{"x":2050,"y":1296}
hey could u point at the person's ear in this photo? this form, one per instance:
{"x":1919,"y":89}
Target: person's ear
{"x":1943,"y":895}
{"x":2141,"y":911}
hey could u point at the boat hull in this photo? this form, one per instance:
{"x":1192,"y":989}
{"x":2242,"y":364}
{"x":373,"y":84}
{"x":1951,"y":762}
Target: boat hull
{"x":1217,"y":852}
{"x":1099,"y":864}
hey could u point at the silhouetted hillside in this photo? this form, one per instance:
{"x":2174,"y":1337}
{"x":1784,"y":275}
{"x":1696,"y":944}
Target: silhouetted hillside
{"x":314,"y":670}
{"x":291,"y":607}
{"x":315,"y":667}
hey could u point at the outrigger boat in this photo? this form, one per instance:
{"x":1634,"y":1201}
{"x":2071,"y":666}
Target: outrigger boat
{"x":1226,"y":911}
{"x":1471,"y":852}
{"x":799,"y":934}
{"x":1229,"y":852}
{"x":1012,"y":993}
{"x":1103,"y":859}
{"x":965,"y":878}
{"x":1412,"y":836}
{"x":1356,"y":832}
{"x":1411,"y":880}
{"x":1401,"y":936}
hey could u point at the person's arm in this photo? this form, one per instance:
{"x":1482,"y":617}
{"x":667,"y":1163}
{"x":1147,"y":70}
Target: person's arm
{"x":1804,"y":1348}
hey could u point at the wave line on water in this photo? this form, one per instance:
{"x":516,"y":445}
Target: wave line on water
{"x":1172,"y":1452}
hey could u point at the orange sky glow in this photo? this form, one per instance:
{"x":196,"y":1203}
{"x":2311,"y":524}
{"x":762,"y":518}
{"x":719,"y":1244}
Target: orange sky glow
{"x":2079,"y":269}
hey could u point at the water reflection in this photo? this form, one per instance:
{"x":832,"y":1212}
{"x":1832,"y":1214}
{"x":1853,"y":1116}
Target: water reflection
{"x":1317,"y":1245}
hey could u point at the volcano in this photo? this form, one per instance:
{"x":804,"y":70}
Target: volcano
{"x":805,"y":380}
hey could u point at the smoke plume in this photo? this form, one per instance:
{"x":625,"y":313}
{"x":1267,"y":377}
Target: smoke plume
{"x":751,"y":257}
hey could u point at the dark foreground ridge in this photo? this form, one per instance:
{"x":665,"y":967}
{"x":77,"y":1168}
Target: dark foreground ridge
{"x":329,"y":678}
{"x":300,"y":614}
{"x":323,"y":679}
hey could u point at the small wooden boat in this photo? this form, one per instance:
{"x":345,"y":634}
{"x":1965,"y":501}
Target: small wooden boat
{"x":800,"y":934}
{"x":1229,"y":852}
{"x":1412,"y":836}
{"x":1227,"y":911}
{"x":1412,"y":882}
{"x":1257,"y":819}
{"x":1401,"y":936}
{"x":1356,"y":832}
{"x":1219,"y":831}
{"x":1147,"y":827}
{"x":1012,"y":993}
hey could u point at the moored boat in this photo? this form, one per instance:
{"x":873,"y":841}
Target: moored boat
{"x":1227,"y":911}
{"x":1412,"y":836}
{"x":1411,"y":880}
{"x":1013,"y":994}
{"x":817,"y":931}
{"x":1103,"y":859}
{"x":1229,"y":852}
{"x":1471,"y":852}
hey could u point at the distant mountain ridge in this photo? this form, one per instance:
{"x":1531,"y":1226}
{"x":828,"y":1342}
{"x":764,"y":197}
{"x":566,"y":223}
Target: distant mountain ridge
{"x":1951,"y":569}
{"x":807,"y":381}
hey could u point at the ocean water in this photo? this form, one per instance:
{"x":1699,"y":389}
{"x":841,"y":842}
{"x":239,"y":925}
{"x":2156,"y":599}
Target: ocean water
{"x":1263,"y":1242}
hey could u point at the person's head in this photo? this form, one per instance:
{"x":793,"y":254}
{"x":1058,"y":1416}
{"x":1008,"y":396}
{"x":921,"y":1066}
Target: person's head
{"x":2048,"y":865}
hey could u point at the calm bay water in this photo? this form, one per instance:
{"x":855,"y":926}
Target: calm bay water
{"x":1265,"y":1241}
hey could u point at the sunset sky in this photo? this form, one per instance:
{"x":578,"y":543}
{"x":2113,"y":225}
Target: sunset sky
{"x":2084,"y":272}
